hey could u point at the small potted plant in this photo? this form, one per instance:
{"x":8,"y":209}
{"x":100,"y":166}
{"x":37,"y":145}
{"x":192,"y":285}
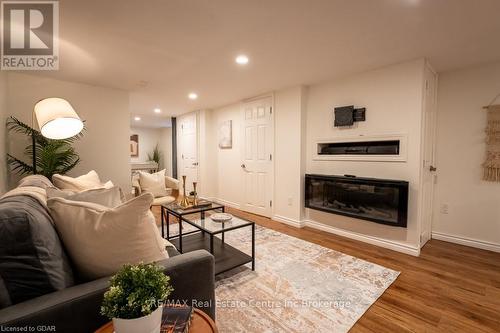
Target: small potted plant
{"x":135,"y":299}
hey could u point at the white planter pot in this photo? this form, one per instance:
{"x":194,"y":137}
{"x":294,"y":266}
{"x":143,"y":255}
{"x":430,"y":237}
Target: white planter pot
{"x":147,"y":324}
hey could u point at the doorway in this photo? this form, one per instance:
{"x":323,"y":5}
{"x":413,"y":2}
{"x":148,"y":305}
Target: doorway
{"x":187,"y":149}
{"x":257,"y":156}
{"x":429,"y":138}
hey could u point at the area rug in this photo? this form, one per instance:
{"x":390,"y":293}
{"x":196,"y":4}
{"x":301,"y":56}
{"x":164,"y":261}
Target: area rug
{"x":297,"y":286}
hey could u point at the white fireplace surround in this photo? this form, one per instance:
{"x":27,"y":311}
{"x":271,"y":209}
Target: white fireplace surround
{"x":401,"y":157}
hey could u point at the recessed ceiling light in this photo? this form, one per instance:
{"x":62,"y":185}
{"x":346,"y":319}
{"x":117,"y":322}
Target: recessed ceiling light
{"x":157,"y":110}
{"x":193,"y":95}
{"x":137,"y":118}
{"x":241,"y":59}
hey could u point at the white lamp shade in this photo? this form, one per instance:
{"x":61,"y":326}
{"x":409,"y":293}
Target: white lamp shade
{"x":57,"y":119}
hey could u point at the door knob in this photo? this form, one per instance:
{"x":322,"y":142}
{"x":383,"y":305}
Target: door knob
{"x":243,"y":166}
{"x":432,"y":168}
{"x":196,"y":163}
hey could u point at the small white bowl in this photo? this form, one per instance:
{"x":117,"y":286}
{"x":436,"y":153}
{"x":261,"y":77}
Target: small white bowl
{"x":221,"y":217}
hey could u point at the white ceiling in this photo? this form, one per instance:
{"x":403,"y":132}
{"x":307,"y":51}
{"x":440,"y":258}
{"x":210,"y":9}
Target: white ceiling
{"x":150,"y":120}
{"x":161,"y":50}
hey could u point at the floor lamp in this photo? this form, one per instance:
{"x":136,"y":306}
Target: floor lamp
{"x":57,"y":120}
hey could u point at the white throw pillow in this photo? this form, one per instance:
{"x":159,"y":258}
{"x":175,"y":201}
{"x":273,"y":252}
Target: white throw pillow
{"x":85,"y":182}
{"x":109,"y":197}
{"x":108,"y":184}
{"x":101,"y":240}
{"x":153,"y":183}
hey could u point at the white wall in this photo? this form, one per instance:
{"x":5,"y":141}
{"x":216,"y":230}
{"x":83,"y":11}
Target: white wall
{"x":105,"y":146}
{"x":227,"y":184}
{"x":3,"y":115}
{"x":473,"y":204}
{"x":148,"y":139}
{"x":289,"y":161}
{"x":393,"y":100}
{"x":208,"y":162}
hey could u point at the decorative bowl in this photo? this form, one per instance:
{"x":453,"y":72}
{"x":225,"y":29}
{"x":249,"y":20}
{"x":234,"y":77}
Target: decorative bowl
{"x":221,"y":217}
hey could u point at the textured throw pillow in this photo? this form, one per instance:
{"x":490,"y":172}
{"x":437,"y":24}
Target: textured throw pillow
{"x":153,"y":183}
{"x":32,"y":259}
{"x":85,"y":182}
{"x":100,"y":240}
{"x":109,"y":184}
{"x":109,"y":197}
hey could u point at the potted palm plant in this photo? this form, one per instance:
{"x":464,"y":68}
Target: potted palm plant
{"x":52,"y":156}
{"x":135,"y":299}
{"x":155,"y":155}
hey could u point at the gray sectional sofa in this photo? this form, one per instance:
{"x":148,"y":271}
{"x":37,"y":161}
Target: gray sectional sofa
{"x":38,"y":286}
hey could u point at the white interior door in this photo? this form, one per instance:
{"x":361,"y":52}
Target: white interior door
{"x":257,"y":165}
{"x":188,"y":150}
{"x":428,"y":173}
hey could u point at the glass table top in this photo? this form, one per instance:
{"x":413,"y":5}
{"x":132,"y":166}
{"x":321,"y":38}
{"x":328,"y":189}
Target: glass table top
{"x":210,"y":226}
{"x":175,"y":208}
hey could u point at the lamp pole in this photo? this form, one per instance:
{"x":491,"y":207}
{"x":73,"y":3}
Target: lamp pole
{"x":33,"y":142}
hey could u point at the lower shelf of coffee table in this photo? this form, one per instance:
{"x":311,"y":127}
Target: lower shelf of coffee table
{"x":226,"y":256}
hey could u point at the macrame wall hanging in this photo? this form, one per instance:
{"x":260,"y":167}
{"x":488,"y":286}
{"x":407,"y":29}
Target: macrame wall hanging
{"x":491,"y":166}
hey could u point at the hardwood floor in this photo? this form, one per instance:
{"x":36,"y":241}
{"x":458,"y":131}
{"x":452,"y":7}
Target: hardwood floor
{"x":449,"y":288}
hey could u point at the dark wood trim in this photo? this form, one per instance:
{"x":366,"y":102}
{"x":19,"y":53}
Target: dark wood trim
{"x":174,"y":147}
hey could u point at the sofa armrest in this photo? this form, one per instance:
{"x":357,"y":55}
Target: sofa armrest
{"x":192,"y":275}
{"x":75,"y":309}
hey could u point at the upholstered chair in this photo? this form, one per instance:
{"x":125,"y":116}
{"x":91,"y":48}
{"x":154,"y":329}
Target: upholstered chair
{"x":171,"y":186}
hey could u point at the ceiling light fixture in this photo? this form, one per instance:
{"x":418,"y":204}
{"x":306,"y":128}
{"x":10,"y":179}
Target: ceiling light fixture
{"x":241,"y":59}
{"x":137,"y":118}
{"x":157,"y":110}
{"x":193,"y":96}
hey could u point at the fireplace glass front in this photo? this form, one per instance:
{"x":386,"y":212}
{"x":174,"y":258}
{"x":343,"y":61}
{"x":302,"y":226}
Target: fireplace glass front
{"x":377,"y":200}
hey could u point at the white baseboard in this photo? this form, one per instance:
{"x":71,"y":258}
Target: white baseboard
{"x":289,"y":221}
{"x":414,"y":251}
{"x":466,"y":241}
{"x":337,"y":231}
{"x":225,"y":202}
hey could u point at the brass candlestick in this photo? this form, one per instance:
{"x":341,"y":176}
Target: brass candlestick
{"x":195,"y":195}
{"x":184,"y":201}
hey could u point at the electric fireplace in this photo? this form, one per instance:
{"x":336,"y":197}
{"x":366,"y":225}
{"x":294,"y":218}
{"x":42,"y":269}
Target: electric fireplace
{"x":378,"y":200}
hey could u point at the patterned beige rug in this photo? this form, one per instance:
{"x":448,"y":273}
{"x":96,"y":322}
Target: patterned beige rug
{"x":297,"y":287}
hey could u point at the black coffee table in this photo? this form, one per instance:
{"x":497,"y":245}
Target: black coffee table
{"x":226,"y":256}
{"x":175,"y":210}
